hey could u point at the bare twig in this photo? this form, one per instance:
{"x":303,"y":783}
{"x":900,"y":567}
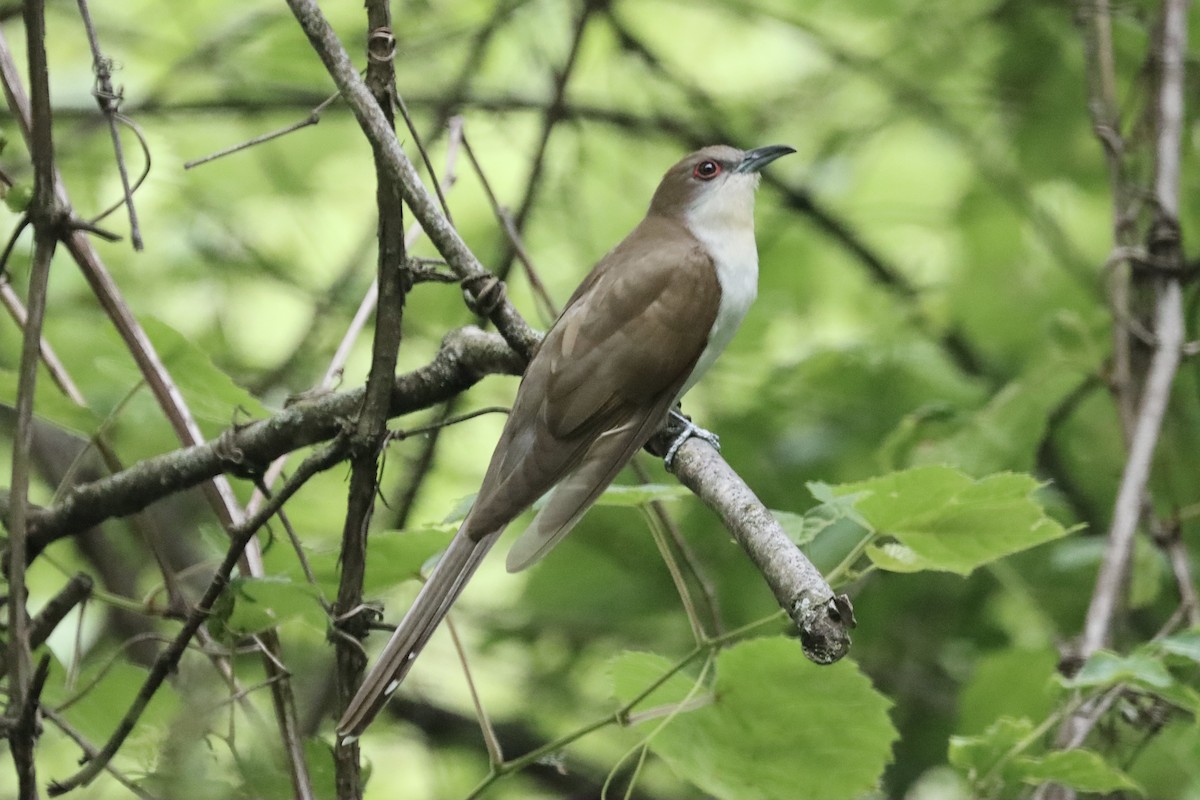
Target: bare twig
{"x":46,"y":216}
{"x":218,"y":491}
{"x":506,"y":223}
{"x":110,"y":102}
{"x":90,"y":750}
{"x":1164,"y":246}
{"x":370,"y":427}
{"x":313,"y":118}
{"x":327,"y":457}
{"x":552,"y":115}
{"x":388,"y":153}
{"x":24,"y":734}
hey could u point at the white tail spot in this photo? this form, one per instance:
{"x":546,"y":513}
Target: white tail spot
{"x":391,"y":687}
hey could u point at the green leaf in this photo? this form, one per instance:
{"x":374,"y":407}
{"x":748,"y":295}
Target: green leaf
{"x":1001,"y":756}
{"x":1082,"y":770}
{"x":949,"y":521}
{"x":1144,"y":668}
{"x":1185,"y":643}
{"x":18,"y":196}
{"x":461,"y":508}
{"x":261,"y":603}
{"x":51,"y":405}
{"x":641,"y":495}
{"x":776,"y":727}
{"x":395,"y":556}
{"x":895,"y":557}
{"x":211,"y":395}
{"x":832,"y":510}
{"x":1106,"y":668}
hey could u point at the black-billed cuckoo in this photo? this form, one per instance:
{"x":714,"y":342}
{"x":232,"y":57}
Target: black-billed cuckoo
{"x":643,"y":327}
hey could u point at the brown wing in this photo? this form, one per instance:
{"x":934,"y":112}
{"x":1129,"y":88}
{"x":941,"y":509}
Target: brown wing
{"x":606,"y":372}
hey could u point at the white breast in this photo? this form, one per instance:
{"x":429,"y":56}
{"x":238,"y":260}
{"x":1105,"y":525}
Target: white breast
{"x":727,"y":231}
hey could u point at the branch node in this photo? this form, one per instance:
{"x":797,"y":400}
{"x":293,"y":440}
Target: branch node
{"x":483,"y":293}
{"x":381,"y":45}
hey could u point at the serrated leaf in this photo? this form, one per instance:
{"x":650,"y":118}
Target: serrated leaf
{"x":776,"y":727}
{"x":633,"y":496}
{"x":1082,"y":770}
{"x":953,"y":522}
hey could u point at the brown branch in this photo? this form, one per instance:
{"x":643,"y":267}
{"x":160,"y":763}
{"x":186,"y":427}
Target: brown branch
{"x":391,"y":157}
{"x":1165,"y":248}
{"x":24,"y":734}
{"x":466,"y":356}
{"x":822,"y":618}
{"x":109,"y":101}
{"x":218,"y":490}
{"x":370,"y":428}
{"x":46,"y":216}
{"x":552,"y":115}
{"x":90,"y":750}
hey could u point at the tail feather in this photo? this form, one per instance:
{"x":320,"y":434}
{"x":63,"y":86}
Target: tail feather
{"x":457,"y":565}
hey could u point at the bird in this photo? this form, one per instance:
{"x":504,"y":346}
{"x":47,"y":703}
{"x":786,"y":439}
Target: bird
{"x":647,"y":321}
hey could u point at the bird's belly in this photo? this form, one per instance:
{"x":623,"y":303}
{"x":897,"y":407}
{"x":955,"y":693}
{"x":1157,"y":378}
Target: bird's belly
{"x":739,"y":287}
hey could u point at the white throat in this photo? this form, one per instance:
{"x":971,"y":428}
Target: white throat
{"x":723,"y":221}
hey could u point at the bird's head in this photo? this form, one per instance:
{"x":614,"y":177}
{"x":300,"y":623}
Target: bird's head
{"x":714,"y":186}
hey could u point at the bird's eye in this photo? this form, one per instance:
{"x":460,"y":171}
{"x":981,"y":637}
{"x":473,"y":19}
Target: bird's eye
{"x":707,"y":170}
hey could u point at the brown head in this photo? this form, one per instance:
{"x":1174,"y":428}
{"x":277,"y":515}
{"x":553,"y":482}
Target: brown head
{"x":715,"y":181}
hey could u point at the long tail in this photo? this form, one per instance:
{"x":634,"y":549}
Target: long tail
{"x":457,"y":565}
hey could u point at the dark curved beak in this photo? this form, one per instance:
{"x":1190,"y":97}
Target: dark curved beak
{"x":756,"y":159}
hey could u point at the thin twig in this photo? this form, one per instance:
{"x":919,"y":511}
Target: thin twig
{"x":218,"y":491}
{"x":551,"y":117}
{"x":491,"y":741}
{"x":390,"y":155}
{"x":46,"y":215}
{"x":510,"y":230}
{"x":109,"y":101}
{"x":90,"y":751}
{"x":166,"y":662}
{"x":1169,"y":332}
{"x":313,"y":118}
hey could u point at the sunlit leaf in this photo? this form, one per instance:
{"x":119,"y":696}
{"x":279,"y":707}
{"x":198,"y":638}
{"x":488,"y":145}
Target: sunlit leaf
{"x":776,"y":725}
{"x":950,"y":521}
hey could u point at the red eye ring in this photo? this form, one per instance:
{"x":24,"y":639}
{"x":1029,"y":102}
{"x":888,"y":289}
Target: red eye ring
{"x":706,"y":170}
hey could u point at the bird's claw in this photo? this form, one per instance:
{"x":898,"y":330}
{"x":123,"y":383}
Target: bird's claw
{"x":689,"y":430}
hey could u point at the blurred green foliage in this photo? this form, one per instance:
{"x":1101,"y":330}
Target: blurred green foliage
{"x":931,"y":311}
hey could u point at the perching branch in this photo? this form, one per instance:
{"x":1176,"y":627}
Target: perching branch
{"x":823,"y":619}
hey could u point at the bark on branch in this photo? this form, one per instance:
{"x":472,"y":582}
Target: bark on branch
{"x":466,"y":355}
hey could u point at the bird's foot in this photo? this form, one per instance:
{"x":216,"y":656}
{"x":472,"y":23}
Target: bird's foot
{"x":684,"y":429}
